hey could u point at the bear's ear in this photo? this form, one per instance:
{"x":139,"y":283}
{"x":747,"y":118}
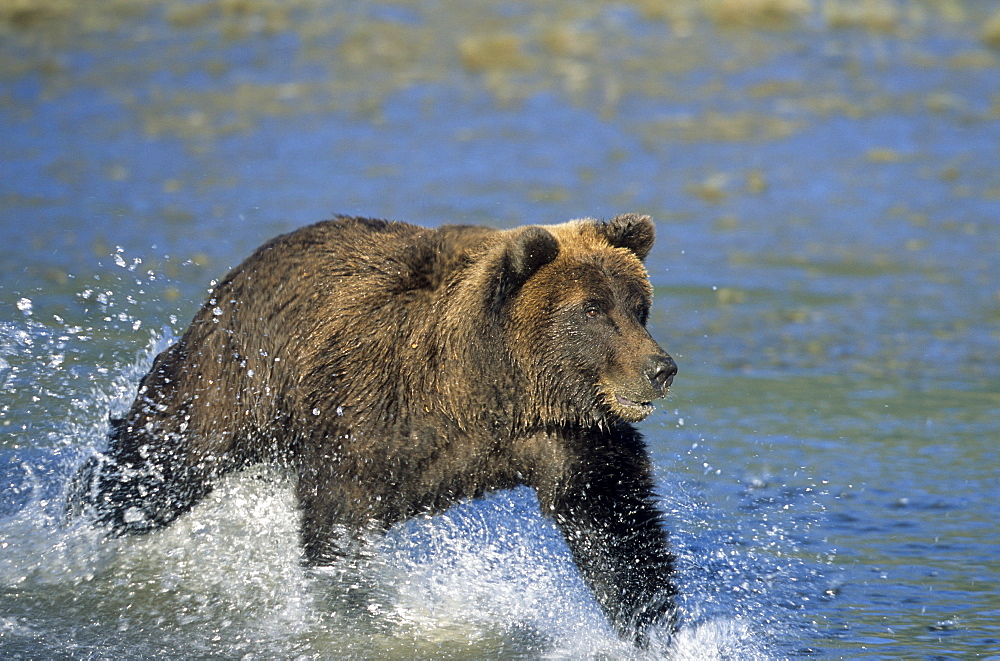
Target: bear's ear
{"x":631,"y":231}
{"x":529,"y":250}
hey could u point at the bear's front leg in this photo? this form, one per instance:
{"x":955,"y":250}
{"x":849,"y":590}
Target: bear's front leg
{"x":606,"y":510}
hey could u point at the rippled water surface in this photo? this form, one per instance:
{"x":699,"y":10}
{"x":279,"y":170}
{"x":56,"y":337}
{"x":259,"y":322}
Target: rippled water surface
{"x":825,"y":184}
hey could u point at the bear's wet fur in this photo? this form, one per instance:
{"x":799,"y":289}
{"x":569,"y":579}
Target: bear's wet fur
{"x":398,"y":370}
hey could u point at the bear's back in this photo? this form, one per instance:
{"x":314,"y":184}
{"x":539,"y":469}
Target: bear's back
{"x":377,"y":256}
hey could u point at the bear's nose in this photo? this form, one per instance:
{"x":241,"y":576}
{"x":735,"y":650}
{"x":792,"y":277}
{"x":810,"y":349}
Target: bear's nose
{"x":660,"y":370}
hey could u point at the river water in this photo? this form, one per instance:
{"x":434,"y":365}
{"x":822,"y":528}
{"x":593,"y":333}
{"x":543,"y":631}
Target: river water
{"x":825,"y":185}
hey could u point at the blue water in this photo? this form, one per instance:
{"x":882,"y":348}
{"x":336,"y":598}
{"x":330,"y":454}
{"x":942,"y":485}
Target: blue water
{"x":828,"y":213}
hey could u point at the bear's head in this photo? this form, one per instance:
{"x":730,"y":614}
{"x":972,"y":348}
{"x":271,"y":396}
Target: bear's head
{"x":573,"y":300}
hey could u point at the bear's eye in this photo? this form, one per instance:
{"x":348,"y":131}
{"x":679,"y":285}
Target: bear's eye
{"x":592,"y":311}
{"x":642,"y":314}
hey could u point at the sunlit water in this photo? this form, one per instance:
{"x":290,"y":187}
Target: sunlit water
{"x":828,"y":208}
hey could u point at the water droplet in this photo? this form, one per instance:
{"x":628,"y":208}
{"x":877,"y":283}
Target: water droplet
{"x":316,"y":411}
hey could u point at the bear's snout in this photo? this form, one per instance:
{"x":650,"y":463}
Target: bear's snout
{"x":660,"y":369}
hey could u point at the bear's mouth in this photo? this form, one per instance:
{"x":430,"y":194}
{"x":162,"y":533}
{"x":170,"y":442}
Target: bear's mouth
{"x":632,"y":410}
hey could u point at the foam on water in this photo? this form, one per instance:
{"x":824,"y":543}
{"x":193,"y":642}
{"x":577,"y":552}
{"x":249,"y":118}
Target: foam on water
{"x":487,"y":580}
{"x":490,"y":579}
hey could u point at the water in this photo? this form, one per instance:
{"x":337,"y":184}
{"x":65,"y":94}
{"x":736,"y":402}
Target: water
{"x":828,"y":203}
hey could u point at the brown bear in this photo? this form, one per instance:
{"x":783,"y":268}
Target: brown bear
{"x":397,"y":370}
